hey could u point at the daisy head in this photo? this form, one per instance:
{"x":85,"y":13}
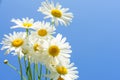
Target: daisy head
{"x":24,"y":23}
{"x":56,"y":13}
{"x":64,"y":72}
{"x":35,"y":50}
{"x":43,"y":30}
{"x":57,"y":50}
{"x":14,"y":42}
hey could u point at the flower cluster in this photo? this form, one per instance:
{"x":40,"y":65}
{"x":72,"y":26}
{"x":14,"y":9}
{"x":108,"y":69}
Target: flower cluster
{"x":38,"y":45}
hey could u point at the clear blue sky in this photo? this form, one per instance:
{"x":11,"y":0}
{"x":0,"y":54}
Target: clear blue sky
{"x":94,"y":35}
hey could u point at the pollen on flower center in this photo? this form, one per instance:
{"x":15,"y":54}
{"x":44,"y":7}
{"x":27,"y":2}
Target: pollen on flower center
{"x":62,"y":70}
{"x":54,"y":50}
{"x":17,"y":42}
{"x":36,"y":47}
{"x":60,"y":78}
{"x":56,"y":13}
{"x":42,"y":32}
{"x":27,"y":24}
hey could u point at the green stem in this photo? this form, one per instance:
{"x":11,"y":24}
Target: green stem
{"x":26,"y":67}
{"x":27,"y":32}
{"x":34,"y":71}
{"x":37,"y":72}
{"x":53,"y":23}
{"x":21,"y":73}
{"x":29,"y":68}
{"x":36,"y":68}
{"x":46,"y":73}
{"x":40,"y":72}
{"x":25,"y":62}
{"x":14,"y":68}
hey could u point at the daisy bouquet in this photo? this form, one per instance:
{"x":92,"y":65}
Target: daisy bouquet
{"x":42,"y":55}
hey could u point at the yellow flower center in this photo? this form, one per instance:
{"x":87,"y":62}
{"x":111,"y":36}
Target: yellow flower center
{"x":56,"y":13}
{"x":36,"y":47}
{"x":54,"y":50}
{"x":62,"y":70}
{"x":42,"y":32}
{"x":60,"y":78}
{"x":17,"y":42}
{"x":27,"y":24}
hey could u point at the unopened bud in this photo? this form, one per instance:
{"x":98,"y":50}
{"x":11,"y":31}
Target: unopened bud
{"x":5,"y":61}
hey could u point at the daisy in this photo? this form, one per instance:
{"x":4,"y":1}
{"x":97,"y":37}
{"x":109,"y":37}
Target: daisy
{"x":24,"y":23}
{"x":36,"y":49}
{"x":56,"y":13}
{"x":43,"y":30}
{"x":64,"y":72}
{"x":57,"y":51}
{"x":14,"y":43}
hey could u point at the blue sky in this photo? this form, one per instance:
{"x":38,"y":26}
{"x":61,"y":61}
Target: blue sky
{"x":94,"y":35}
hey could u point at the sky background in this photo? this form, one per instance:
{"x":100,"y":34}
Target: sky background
{"x":94,"y":35}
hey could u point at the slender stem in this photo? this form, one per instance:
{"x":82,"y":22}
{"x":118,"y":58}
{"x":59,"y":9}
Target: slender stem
{"x":14,"y":68}
{"x":27,"y":32}
{"x":26,"y":67}
{"x":53,"y":24}
{"x":25,"y":62}
{"x":46,"y":73}
{"x":29,"y":67}
{"x":40,"y":72}
{"x":34,"y":71}
{"x":36,"y":68}
{"x":21,"y":73}
{"x":38,"y":78}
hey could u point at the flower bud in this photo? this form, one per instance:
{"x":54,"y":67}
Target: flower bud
{"x":5,"y":61}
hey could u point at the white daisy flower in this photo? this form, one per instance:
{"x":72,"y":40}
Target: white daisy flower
{"x":36,"y":49}
{"x":24,"y":23}
{"x":56,"y":13}
{"x":43,"y":30}
{"x":14,"y":42}
{"x":57,"y":51}
{"x":64,"y":72}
